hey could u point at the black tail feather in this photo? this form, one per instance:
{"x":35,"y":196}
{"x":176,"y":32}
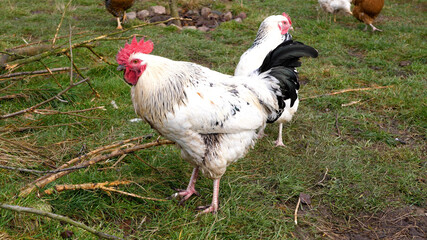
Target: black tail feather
{"x":287,"y":54}
{"x":281,"y":63}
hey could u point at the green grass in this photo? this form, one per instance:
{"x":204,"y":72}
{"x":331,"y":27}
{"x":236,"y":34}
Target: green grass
{"x":369,"y":173}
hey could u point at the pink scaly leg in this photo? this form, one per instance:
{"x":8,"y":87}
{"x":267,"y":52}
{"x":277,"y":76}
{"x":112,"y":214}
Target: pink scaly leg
{"x":213,"y":208}
{"x":279,"y":141}
{"x":187,"y":193}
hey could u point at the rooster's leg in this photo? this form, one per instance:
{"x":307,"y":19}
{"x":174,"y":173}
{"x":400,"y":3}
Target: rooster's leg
{"x":213,"y":208}
{"x":261,"y":133}
{"x":119,"y":25}
{"x":279,"y":141}
{"x":335,"y":17}
{"x":124,"y":17}
{"x":187,"y":193}
{"x":374,"y":28}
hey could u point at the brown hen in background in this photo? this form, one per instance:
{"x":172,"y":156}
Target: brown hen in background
{"x":367,"y":10}
{"x":118,"y":9}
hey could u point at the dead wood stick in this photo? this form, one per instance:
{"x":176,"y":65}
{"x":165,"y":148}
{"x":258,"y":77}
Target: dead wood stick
{"x":91,"y":153}
{"x":52,"y":75}
{"x":58,"y":217}
{"x":44,"y":102}
{"x":38,"y":171}
{"x":296,"y":211}
{"x":85,"y":186}
{"x":8,"y":86}
{"x":13,"y":96}
{"x":99,"y":56}
{"x":20,"y":145}
{"x":115,"y":153}
{"x":19,"y":74}
{"x":347,"y":90}
{"x":131,"y":194}
{"x":21,"y":129}
{"x":70,"y":56}
{"x":60,"y":23}
{"x":14,"y":64}
{"x":146,"y":163}
{"x":54,"y":112}
{"x":44,"y":41}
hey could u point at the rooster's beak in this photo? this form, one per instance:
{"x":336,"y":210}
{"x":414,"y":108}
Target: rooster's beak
{"x":121,"y":67}
{"x":291,"y":28}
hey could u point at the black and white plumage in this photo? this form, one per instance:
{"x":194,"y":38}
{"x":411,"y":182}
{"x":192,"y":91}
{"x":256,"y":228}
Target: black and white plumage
{"x":271,"y":32}
{"x":212,"y":117}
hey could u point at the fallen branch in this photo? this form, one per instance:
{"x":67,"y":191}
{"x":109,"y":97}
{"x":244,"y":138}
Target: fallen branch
{"x":85,"y":186}
{"x":132,"y":195}
{"x":347,"y":90}
{"x":92,"y":153}
{"x":14,"y":64}
{"x":38,"y":171}
{"x":37,"y":72}
{"x":73,"y":113}
{"x":57,"y":217}
{"x":13,"y":96}
{"x":118,"y":152}
{"x":44,"y":102}
{"x":21,"y":146}
{"x":21,"y":129}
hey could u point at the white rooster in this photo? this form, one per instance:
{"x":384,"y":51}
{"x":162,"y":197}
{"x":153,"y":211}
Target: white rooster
{"x":212,"y":117}
{"x":335,"y":6}
{"x":271,"y":32}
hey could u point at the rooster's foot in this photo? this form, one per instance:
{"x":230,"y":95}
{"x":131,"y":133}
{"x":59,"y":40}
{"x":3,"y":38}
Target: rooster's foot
{"x":279,"y":144}
{"x":184,"y":194}
{"x":207,"y":209}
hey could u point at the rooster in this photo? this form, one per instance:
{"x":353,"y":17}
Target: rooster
{"x":271,"y":32}
{"x":118,"y":9}
{"x":366,"y":11}
{"x":335,"y":6}
{"x":212,"y":117}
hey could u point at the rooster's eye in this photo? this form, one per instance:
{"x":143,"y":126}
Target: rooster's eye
{"x":135,"y":61}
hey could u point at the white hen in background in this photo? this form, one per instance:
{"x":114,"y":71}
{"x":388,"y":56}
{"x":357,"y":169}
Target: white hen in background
{"x":335,"y":6}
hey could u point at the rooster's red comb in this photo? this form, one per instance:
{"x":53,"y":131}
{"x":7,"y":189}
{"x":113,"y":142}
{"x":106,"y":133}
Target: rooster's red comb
{"x":287,"y":16}
{"x":135,"y":46}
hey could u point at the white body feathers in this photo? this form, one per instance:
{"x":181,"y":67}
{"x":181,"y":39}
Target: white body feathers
{"x":213,"y":117}
{"x":335,"y":6}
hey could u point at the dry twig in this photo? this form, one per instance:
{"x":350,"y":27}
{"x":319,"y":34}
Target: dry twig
{"x":296,"y":211}
{"x":12,"y":76}
{"x":118,"y":152}
{"x":21,"y":129}
{"x":85,"y":186}
{"x":132,"y":195}
{"x":14,"y":64}
{"x":57,"y":217}
{"x":37,"y":171}
{"x":44,"y":102}
{"x":72,"y":113}
{"x":347,"y":90}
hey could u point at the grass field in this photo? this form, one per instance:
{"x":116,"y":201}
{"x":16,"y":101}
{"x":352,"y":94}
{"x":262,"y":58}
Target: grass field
{"x":359,"y":155}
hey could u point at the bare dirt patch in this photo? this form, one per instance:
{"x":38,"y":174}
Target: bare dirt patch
{"x":403,"y":223}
